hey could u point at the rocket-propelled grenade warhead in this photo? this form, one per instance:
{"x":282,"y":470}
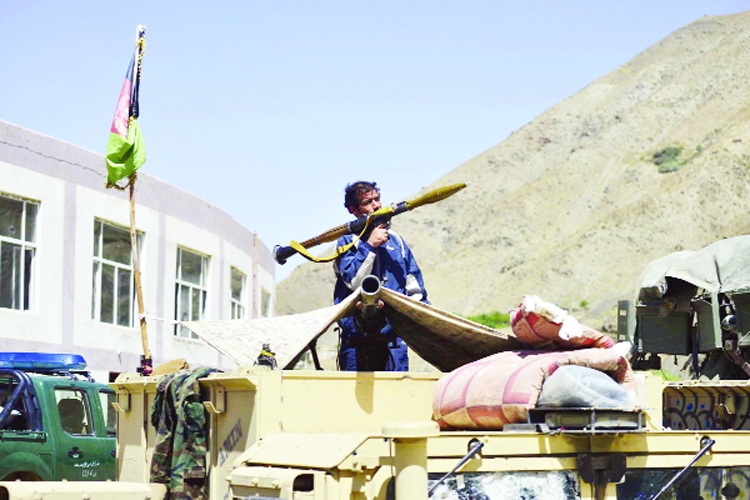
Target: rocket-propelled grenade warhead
{"x":361,"y":225}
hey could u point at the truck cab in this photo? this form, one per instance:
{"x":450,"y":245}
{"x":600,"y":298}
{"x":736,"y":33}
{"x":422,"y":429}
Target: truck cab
{"x":56,"y":422}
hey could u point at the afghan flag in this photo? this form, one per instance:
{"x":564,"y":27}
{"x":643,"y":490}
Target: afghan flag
{"x":126,"y":151}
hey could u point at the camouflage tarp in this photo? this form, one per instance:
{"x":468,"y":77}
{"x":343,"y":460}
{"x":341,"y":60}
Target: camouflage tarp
{"x":442,"y":339}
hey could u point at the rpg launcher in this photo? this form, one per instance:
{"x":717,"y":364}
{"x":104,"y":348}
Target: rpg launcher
{"x":362,"y":225}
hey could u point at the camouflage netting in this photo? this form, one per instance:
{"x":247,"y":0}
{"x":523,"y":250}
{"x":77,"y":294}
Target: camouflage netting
{"x":442,"y":339}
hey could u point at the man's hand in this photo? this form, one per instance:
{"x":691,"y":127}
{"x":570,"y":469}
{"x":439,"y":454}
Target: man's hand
{"x":378,"y":236}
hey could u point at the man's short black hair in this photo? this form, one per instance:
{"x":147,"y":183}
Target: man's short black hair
{"x":354,"y":190}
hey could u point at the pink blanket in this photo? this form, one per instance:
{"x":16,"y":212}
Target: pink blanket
{"x":500,"y":389}
{"x":535,"y":329}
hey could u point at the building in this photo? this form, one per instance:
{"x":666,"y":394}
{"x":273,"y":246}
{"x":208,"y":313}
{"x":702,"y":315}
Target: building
{"x":66,"y":275}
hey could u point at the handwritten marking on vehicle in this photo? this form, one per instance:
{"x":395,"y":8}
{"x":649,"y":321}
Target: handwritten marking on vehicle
{"x":88,"y":465}
{"x":89,"y":470}
{"x":230,"y":442}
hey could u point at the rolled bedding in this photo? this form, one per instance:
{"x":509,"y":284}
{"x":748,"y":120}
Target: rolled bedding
{"x":500,"y":389}
{"x":542,"y":325}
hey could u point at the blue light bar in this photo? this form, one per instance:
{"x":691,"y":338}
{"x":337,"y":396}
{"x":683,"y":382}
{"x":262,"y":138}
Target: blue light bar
{"x":42,"y":361}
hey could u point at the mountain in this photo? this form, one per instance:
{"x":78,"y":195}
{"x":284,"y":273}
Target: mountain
{"x":647,"y":160}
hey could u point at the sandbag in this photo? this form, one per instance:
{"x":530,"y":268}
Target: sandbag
{"x":584,"y":387}
{"x":500,"y":389}
{"x":539,"y":324}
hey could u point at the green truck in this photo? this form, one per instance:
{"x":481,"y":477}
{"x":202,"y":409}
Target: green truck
{"x":56,"y":422}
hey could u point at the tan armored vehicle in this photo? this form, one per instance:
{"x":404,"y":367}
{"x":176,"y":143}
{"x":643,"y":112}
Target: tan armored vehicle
{"x":326,"y":435}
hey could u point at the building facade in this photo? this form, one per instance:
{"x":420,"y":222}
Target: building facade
{"x":66,"y":272}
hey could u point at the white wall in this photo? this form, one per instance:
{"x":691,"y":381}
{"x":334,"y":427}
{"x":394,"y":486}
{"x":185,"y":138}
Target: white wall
{"x":42,"y":322}
{"x":92,"y":205}
{"x":68,"y":183}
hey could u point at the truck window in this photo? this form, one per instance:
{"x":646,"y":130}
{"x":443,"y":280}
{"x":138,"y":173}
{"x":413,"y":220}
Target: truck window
{"x":16,"y":420}
{"x":110,"y":415}
{"x":75,"y":411}
{"x":698,"y":482}
{"x":527,"y":485}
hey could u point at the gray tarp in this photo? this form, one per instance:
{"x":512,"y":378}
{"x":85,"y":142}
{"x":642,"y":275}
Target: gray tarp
{"x":442,"y":339}
{"x":721,"y":267}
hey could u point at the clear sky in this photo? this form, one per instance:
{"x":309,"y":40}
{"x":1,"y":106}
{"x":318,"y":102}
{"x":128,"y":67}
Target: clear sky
{"x":268,"y":109}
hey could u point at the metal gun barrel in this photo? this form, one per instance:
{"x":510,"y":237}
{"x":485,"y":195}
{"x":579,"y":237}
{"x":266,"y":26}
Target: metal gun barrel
{"x":370,"y":297}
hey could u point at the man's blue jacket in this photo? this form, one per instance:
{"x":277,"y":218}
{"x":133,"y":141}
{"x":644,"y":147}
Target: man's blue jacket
{"x":394,"y":265}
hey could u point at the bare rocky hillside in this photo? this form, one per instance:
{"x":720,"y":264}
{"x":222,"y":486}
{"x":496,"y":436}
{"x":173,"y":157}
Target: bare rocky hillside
{"x":572,"y":206}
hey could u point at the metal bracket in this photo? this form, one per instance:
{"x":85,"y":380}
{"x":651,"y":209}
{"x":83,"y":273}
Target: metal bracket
{"x":122,"y":406}
{"x":610,"y":466}
{"x":726,"y":405}
{"x":601,"y":469}
{"x":534,"y":427}
{"x":218,"y":402}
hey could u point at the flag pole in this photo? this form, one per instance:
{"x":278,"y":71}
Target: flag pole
{"x":125,"y":154}
{"x":146,"y":360}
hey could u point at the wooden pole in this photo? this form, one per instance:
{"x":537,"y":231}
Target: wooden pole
{"x":137,"y":274}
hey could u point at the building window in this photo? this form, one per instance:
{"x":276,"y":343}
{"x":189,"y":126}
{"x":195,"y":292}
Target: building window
{"x":265,"y":303}
{"x":238,"y":294}
{"x":113,"y":287}
{"x":17,"y":251}
{"x":190,"y":290}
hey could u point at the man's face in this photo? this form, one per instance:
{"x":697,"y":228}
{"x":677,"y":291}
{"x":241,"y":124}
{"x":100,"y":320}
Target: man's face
{"x":368,"y":203}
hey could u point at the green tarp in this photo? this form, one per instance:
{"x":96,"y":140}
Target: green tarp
{"x":721,"y":267}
